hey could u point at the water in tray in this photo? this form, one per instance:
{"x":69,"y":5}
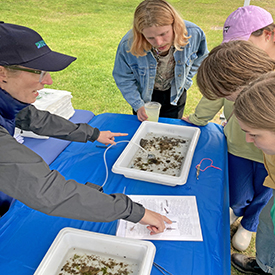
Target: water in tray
{"x":170,"y":152}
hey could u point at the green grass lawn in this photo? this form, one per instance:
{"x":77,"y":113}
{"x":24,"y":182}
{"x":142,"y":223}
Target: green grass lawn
{"x":91,"y":31}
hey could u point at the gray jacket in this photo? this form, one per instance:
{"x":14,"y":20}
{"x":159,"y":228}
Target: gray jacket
{"x":26,"y":177}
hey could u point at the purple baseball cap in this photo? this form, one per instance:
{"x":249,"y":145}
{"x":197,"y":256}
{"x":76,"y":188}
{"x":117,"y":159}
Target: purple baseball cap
{"x":25,"y":47}
{"x":245,"y":20}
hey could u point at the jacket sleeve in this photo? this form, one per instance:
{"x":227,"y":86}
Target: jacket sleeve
{"x":125,"y":77}
{"x":26,"y":177}
{"x":199,"y":40}
{"x":47,"y":124}
{"x":205,"y":111}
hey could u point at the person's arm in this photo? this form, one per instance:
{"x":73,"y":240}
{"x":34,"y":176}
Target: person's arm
{"x":125,"y":77}
{"x":26,"y":177}
{"x":199,"y":46}
{"x":205,"y":111}
{"x":47,"y":124}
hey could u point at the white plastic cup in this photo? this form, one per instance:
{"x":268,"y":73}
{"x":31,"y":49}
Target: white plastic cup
{"x":152,"y":110}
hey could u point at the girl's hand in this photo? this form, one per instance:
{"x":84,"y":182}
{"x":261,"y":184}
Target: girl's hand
{"x":141,"y":114}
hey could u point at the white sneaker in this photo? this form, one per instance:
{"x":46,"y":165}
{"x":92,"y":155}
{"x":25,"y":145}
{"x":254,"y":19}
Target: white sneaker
{"x":233,"y":217}
{"x":241,"y":239}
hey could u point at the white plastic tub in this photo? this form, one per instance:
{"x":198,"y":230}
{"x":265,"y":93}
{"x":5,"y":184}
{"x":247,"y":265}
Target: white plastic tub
{"x":69,"y":241}
{"x":121,"y":166}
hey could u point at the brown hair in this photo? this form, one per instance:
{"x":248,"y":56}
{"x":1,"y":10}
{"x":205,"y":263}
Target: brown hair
{"x":255,"y":105}
{"x":231,"y":65}
{"x":156,"y":13}
{"x":269,"y":28}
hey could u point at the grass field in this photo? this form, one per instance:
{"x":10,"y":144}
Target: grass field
{"x":91,"y":31}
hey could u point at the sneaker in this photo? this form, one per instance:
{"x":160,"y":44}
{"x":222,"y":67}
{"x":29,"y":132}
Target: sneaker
{"x":241,"y":238}
{"x":245,"y":264}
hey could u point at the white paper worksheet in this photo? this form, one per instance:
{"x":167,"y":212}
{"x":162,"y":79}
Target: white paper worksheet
{"x":182,"y":210}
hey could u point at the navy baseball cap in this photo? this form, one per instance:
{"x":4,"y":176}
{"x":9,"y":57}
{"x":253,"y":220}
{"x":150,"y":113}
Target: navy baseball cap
{"x":23,"y":46}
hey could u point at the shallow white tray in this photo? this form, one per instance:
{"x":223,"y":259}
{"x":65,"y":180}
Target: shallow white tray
{"x":139,"y":254}
{"x":121,"y":166}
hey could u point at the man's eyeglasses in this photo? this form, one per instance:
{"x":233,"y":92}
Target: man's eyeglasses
{"x":41,"y":73}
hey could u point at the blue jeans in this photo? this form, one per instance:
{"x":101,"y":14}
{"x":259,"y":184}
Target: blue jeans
{"x":248,"y":196}
{"x":265,"y":240}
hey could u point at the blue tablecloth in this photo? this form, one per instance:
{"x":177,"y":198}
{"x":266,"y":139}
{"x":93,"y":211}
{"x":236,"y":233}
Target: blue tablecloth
{"x":26,"y":235}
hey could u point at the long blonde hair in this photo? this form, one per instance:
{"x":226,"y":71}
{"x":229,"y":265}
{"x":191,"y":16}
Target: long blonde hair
{"x":255,"y":105}
{"x":156,"y":13}
{"x":231,"y":65}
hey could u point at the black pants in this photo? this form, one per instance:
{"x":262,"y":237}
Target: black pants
{"x":168,"y":110}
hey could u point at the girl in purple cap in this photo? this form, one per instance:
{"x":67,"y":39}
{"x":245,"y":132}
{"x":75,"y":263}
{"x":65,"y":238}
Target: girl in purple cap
{"x":246,"y":169}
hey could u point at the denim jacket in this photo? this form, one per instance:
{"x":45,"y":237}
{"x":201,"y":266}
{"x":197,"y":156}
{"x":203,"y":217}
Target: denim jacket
{"x":135,"y":76}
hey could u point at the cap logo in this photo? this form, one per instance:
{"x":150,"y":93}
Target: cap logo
{"x":40,"y":44}
{"x":225,"y":29}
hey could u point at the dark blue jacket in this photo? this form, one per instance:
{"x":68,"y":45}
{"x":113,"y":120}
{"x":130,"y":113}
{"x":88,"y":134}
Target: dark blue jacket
{"x":9,"y":108}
